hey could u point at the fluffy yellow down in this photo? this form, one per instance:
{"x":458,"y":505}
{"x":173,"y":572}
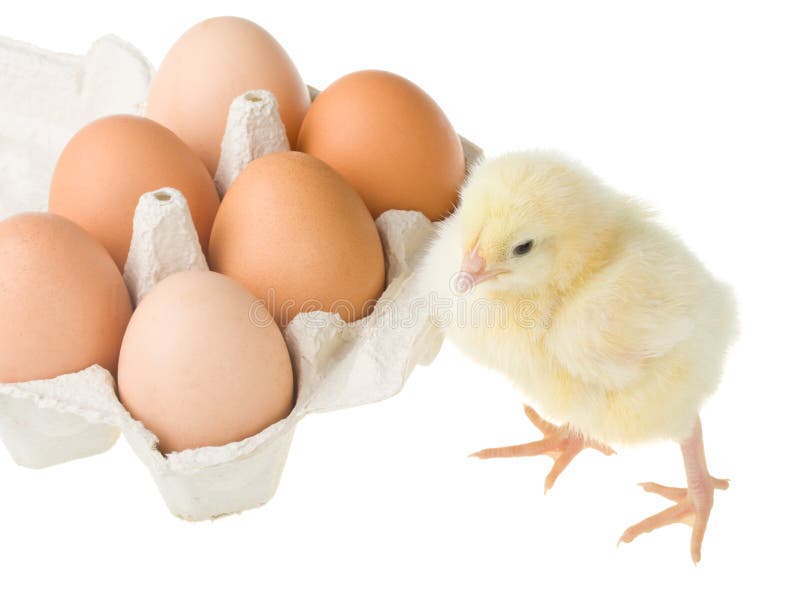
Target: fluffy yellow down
{"x":610,"y":324}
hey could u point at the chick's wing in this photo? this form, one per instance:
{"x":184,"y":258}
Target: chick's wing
{"x":638,"y":308}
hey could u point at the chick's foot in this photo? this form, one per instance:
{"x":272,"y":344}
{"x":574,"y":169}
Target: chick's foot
{"x":559,"y":443}
{"x":692,"y":504}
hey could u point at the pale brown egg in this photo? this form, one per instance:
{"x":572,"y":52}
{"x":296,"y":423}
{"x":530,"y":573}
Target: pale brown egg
{"x":389,"y":140}
{"x":202,"y":365}
{"x":63,"y":302}
{"x":111,"y":162}
{"x":208,"y":67}
{"x":299,"y":237}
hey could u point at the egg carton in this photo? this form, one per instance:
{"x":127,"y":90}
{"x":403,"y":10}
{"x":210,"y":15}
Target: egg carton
{"x":46,"y":98}
{"x":336,"y":364}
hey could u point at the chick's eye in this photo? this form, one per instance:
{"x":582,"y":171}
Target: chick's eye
{"x":523,"y":248}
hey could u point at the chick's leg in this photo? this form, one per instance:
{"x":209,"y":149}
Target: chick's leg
{"x":558,"y":442}
{"x":692,"y":504}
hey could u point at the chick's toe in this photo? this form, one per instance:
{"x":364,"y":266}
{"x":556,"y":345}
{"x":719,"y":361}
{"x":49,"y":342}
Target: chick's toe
{"x":559,"y":442}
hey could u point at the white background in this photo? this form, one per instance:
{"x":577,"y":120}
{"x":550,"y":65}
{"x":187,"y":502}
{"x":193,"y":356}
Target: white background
{"x":691,"y":106}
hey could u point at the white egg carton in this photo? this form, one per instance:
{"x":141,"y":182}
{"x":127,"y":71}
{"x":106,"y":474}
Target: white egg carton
{"x":336,"y":365}
{"x":46,"y":97}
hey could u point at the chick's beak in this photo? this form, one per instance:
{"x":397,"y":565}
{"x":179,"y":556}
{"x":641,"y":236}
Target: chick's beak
{"x":473,"y":272}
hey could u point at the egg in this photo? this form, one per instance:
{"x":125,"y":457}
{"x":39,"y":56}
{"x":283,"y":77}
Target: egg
{"x":201,"y":365}
{"x":63,"y":302}
{"x":299,"y":237}
{"x":208,"y":67}
{"x":389,"y":140}
{"x":110,"y":163}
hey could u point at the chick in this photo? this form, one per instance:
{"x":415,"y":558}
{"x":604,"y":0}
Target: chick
{"x":610,"y":326}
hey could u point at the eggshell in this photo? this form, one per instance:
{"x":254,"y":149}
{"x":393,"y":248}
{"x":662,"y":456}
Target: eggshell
{"x":63,"y":302}
{"x":209,"y":66}
{"x":110,"y":163}
{"x":300,"y":238}
{"x":198,"y":369}
{"x":390,"y":140}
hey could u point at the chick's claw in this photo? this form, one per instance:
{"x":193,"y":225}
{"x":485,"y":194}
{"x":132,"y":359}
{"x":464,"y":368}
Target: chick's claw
{"x":691,"y":508}
{"x":692,"y":504}
{"x":558,"y":442}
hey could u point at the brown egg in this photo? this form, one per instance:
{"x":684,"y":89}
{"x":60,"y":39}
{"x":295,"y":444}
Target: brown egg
{"x":110,"y":163}
{"x":208,"y":67}
{"x":63,"y":302}
{"x":202,"y":366}
{"x":390,"y":140}
{"x":300,"y":238}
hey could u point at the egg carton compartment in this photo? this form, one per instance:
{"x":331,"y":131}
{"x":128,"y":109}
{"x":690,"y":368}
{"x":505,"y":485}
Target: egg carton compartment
{"x":46,"y":422}
{"x":336,"y":364}
{"x":46,"y":98}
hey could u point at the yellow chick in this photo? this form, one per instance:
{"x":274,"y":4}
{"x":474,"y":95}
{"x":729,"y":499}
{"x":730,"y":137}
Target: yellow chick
{"x":612,"y":328}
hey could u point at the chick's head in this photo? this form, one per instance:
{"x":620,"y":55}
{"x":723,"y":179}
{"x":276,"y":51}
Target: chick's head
{"x":532,"y":219}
